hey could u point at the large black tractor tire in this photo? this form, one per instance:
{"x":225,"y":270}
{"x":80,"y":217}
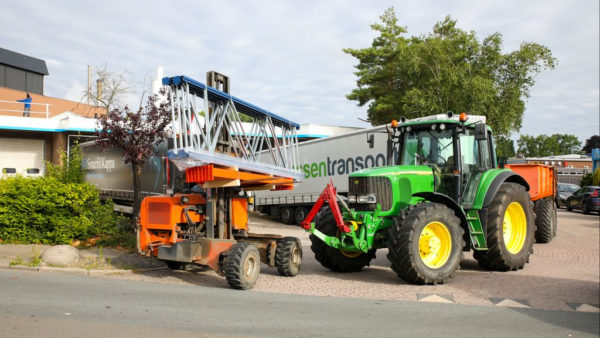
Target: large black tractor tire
{"x":300,"y":214}
{"x":510,"y":215}
{"x":545,"y":220}
{"x":173,"y":265}
{"x":332,"y":258}
{"x":242,"y":266}
{"x":288,"y":256}
{"x":287,"y":215}
{"x":425,"y":244}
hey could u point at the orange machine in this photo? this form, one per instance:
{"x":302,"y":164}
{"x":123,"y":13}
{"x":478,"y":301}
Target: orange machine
{"x":181,"y":229}
{"x":542,"y":182}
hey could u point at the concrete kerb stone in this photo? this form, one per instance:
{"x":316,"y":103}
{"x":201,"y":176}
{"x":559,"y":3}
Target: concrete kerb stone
{"x":78,"y":271}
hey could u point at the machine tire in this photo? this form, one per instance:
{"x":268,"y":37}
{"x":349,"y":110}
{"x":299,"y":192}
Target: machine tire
{"x":511,"y":200}
{"x":242,"y":266}
{"x":174,"y":265}
{"x":545,"y":220}
{"x":415,"y":231}
{"x":332,"y":258}
{"x":569,"y":208}
{"x":287,"y":215}
{"x":300,"y":214}
{"x":288,"y":256}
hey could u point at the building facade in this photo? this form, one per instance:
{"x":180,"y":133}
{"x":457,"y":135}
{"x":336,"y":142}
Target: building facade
{"x":27,"y":143}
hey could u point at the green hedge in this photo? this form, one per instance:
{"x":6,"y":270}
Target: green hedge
{"x":46,"y":210}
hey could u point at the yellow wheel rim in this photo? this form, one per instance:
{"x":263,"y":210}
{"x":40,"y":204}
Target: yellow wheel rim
{"x":435,"y":245}
{"x":514,"y":227}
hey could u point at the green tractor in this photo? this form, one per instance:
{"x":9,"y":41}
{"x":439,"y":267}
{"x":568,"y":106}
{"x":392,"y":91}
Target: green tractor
{"x":440,"y":194}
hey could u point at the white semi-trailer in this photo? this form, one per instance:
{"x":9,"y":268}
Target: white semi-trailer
{"x":323,"y":160}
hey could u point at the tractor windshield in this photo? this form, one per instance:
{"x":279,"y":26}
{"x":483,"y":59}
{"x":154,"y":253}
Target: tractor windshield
{"x":428,"y":147}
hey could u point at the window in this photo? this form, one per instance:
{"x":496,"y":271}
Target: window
{"x":9,"y":170}
{"x":33,"y":170}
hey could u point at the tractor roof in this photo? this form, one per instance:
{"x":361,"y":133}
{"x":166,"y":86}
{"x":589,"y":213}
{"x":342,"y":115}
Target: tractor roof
{"x":442,"y":118}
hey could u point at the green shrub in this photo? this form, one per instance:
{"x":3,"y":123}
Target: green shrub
{"x":46,"y":210}
{"x":586,"y":179}
{"x":70,"y":171}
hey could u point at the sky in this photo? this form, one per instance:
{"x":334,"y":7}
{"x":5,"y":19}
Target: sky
{"x":286,"y":56}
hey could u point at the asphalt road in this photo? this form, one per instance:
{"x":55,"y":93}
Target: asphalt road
{"x":50,"y":305}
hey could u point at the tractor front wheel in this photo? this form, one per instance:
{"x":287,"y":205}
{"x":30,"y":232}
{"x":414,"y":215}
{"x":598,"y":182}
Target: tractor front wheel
{"x":288,"y":256}
{"x":425,"y":244}
{"x":510,"y":230}
{"x":242,"y":266}
{"x":332,"y":258}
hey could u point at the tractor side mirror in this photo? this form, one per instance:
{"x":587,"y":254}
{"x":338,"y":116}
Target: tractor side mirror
{"x":371,"y":140}
{"x":481,"y":132}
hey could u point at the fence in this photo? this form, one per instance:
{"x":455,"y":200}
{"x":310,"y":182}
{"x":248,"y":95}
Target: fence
{"x":18,"y":107}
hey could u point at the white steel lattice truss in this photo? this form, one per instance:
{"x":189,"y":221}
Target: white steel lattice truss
{"x":268,"y":144}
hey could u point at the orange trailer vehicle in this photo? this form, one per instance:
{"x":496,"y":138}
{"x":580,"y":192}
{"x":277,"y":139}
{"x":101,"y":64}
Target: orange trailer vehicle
{"x":208,"y":224}
{"x":542,"y":182}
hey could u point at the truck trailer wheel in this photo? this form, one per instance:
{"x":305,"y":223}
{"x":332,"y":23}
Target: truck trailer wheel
{"x":332,"y":258}
{"x":545,"y":220}
{"x":425,"y":244}
{"x":242,"y":266}
{"x":288,"y":256}
{"x":510,"y":230}
{"x":287,"y":215}
{"x":300,"y":214}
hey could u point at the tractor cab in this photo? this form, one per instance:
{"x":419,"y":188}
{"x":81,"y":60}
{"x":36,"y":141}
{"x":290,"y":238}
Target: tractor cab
{"x":457,"y":149}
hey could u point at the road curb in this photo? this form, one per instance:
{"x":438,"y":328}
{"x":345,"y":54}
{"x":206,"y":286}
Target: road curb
{"x":81,"y":272}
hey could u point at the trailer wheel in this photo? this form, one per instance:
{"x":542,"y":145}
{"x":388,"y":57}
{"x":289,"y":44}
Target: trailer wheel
{"x":300,"y":214}
{"x":510,"y":230}
{"x":288,"y":256}
{"x":425,"y":244}
{"x":332,"y":258}
{"x":242,"y":266}
{"x":287,"y":215}
{"x":545,"y":220}
{"x":174,"y":265}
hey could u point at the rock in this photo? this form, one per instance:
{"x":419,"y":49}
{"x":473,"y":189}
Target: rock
{"x":61,"y":255}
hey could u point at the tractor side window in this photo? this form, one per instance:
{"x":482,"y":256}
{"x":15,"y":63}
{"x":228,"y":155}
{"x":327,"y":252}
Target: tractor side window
{"x":486,"y":159}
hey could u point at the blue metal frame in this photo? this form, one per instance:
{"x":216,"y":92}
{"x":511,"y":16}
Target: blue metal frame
{"x":214,"y":95}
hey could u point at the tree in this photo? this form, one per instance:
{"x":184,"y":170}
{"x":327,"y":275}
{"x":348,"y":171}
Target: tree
{"x":137,"y":134}
{"x":446,"y":70}
{"x":505,"y":147}
{"x":591,"y":143}
{"x":114,"y":87}
{"x":544,"y":145}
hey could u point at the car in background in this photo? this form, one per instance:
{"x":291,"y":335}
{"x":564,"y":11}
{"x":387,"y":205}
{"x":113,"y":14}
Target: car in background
{"x":587,"y":199}
{"x":565,"y":190}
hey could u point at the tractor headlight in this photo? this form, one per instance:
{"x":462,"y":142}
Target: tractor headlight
{"x":364,"y":199}
{"x":351,"y":198}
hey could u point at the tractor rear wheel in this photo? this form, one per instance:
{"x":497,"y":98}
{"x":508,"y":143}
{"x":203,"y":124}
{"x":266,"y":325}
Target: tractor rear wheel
{"x":425,"y":244}
{"x":545,"y":220}
{"x":242,"y":266}
{"x":332,"y":258}
{"x":510,"y":230}
{"x":288,"y":256}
